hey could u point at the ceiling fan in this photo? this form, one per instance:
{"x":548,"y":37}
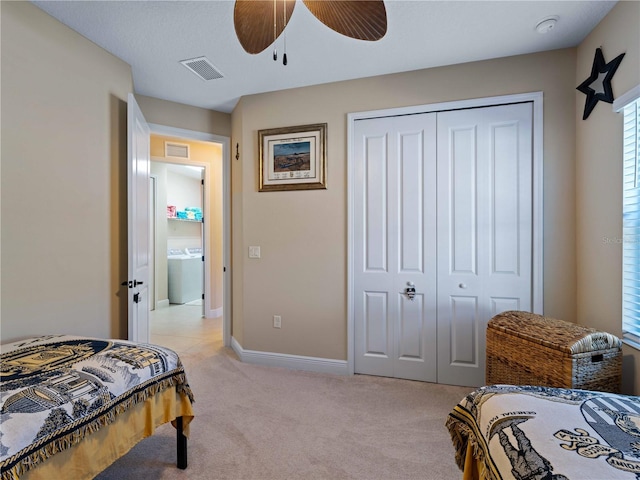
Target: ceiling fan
{"x":258,"y":23}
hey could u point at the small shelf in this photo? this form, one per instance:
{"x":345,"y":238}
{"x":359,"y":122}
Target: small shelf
{"x":184,"y":219}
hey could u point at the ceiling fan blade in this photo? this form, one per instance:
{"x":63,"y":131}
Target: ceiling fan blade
{"x":254,"y":19}
{"x":359,"y":19}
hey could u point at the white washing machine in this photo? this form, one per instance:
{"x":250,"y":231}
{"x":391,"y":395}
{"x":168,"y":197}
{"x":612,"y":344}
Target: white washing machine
{"x":185,"y":272}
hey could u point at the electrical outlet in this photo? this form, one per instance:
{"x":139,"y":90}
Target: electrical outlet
{"x":277,"y":321}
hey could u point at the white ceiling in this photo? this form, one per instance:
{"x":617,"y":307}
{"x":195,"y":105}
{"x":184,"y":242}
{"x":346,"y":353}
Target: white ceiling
{"x":154,"y":36}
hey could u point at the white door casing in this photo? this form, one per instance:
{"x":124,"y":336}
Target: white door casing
{"x":394,"y":190}
{"x":138,"y":174}
{"x":203,"y":242}
{"x":153,"y":205}
{"x":482,"y":260}
{"x":484,"y":230}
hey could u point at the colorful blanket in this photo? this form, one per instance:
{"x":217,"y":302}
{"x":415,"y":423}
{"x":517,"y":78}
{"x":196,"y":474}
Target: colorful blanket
{"x":527,"y":432}
{"x":57,"y":389}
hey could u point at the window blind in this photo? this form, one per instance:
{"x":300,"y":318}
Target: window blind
{"x":631,"y":224}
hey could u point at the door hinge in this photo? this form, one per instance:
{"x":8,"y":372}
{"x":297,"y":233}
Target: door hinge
{"x":203,"y":258}
{"x":203,"y":296}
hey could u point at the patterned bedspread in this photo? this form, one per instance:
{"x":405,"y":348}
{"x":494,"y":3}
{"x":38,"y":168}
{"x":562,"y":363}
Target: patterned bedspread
{"x":526,"y":432}
{"x":56,"y":390}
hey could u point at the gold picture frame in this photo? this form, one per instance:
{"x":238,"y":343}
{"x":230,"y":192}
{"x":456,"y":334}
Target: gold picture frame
{"x":293,"y":158}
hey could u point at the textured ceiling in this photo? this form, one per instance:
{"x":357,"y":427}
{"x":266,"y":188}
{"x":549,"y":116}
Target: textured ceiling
{"x":154,"y":36}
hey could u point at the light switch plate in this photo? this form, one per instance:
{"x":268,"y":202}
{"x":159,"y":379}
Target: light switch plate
{"x":254,"y":252}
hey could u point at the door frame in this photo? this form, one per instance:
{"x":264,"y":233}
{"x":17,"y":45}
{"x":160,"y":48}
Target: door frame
{"x":153,"y":205}
{"x":225,"y":142}
{"x":537,"y":191}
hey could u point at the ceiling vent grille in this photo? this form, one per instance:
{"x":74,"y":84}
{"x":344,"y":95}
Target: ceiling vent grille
{"x":202,"y":67}
{"x":180,"y":150}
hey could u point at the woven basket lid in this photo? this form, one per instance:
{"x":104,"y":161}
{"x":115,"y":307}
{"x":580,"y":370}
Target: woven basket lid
{"x":551,"y":332}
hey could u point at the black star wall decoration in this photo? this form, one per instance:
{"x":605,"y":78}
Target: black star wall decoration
{"x":598,"y":85}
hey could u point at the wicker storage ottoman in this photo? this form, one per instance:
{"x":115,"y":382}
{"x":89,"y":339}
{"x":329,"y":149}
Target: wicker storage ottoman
{"x":528,"y":349}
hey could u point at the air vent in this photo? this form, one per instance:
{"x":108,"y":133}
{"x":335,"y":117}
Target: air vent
{"x":202,"y":68}
{"x":180,"y":150}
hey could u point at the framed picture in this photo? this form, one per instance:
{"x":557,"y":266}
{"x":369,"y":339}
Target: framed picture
{"x":293,"y":158}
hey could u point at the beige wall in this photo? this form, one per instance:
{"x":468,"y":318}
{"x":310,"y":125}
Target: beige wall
{"x":64,"y":146}
{"x":64,"y":150}
{"x":177,"y":115}
{"x":599,"y":182}
{"x":211,"y":155}
{"x":303,"y":270}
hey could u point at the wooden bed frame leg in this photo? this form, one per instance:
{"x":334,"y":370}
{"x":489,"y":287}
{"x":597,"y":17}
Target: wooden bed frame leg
{"x":182,"y":445}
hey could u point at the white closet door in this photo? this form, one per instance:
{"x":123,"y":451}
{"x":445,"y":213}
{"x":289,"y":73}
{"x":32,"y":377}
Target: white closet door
{"x":484,"y":230}
{"x":394,"y":239}
{"x":442,"y":201}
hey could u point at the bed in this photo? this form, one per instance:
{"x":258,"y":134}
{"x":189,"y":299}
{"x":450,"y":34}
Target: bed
{"x":529,"y":432}
{"x":70,"y":406}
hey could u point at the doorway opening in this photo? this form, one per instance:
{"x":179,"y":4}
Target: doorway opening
{"x":188,"y":239}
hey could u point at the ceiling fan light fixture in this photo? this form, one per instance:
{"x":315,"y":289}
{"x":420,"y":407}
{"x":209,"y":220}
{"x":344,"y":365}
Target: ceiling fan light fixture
{"x":258,"y":23}
{"x":253,"y":21}
{"x":358,"y":19}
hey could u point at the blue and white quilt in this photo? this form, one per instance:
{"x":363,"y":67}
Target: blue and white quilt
{"x":530,"y":432}
{"x":57,"y":389}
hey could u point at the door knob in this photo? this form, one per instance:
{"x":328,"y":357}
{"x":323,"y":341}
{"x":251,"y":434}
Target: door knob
{"x":462,"y":285}
{"x":410,"y":290}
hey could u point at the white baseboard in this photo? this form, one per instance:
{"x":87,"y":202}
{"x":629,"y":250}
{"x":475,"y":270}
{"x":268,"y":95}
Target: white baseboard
{"x":163,"y":303}
{"x":214,"y":313}
{"x":296,"y":362}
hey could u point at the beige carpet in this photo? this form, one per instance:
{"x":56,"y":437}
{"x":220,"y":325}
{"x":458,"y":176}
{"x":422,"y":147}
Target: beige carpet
{"x":262,"y":423}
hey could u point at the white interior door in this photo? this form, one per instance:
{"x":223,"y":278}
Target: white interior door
{"x":394,"y":191}
{"x":484,"y":230}
{"x":442,"y":201}
{"x":138,"y":174}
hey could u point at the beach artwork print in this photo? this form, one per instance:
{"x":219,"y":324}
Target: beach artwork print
{"x":292,"y":160}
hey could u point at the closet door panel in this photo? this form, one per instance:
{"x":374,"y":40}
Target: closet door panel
{"x":394,"y":224}
{"x":484,"y":226}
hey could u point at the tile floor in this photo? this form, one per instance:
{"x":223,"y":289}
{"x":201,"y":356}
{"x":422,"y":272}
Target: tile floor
{"x":182,"y":328}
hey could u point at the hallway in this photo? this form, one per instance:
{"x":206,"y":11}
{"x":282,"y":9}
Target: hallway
{"x":182,"y":328}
